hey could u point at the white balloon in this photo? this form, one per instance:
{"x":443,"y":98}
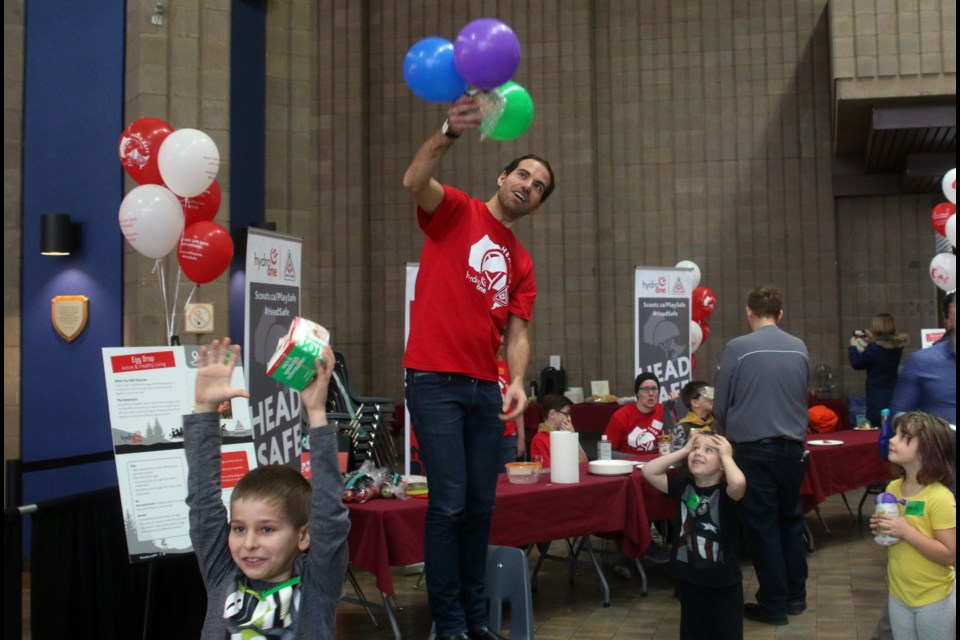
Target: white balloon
{"x":949,"y":185}
{"x":696,"y":336}
{"x":943,"y":271}
{"x":695,"y":270}
{"x":188,"y":161}
{"x":151,"y":220}
{"x":950,"y":229}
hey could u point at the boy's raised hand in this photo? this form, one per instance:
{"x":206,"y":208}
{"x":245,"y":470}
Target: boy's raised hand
{"x":723,"y":446}
{"x":213,"y":376}
{"x":314,"y":397}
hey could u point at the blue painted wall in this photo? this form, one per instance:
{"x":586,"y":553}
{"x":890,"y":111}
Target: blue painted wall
{"x":73,"y":117}
{"x":248,"y":72}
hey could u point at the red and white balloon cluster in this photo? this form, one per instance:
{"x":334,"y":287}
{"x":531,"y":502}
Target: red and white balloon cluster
{"x":943,"y":267}
{"x":485,"y":56}
{"x":177,"y":197}
{"x":702,"y":303}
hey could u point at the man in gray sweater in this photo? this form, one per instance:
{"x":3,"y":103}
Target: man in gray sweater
{"x":761,"y":403}
{"x":276,"y":567}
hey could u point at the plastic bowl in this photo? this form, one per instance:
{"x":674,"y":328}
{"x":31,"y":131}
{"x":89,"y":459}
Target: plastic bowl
{"x":523,"y":472}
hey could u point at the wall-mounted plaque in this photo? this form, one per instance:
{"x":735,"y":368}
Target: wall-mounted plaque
{"x":69,"y":315}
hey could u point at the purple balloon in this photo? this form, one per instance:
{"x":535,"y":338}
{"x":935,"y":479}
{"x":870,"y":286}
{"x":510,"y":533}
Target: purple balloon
{"x":486,"y":53}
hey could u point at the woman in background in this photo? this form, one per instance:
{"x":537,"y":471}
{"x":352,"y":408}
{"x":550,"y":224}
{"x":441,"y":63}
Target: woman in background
{"x":878,"y":351}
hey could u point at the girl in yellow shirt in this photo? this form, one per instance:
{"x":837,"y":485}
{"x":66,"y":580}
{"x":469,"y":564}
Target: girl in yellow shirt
{"x":920,"y":567}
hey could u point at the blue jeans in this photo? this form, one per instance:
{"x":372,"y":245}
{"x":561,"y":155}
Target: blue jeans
{"x":459,"y":432}
{"x":772,"y":520}
{"x":508,"y":451}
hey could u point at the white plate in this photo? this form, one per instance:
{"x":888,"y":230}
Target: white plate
{"x":610,"y":467}
{"x":825,"y":443}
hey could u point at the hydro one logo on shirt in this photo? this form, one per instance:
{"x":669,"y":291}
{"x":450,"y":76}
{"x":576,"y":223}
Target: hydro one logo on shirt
{"x":489,"y":270}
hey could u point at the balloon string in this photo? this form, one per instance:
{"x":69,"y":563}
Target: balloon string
{"x":186,"y":302}
{"x":173,"y":311}
{"x":161,"y":274}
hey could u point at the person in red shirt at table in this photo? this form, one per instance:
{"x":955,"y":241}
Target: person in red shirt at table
{"x":556,"y":412}
{"x":636,"y":428}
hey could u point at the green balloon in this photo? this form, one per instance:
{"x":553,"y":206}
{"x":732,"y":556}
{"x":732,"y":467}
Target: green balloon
{"x":517,"y":113}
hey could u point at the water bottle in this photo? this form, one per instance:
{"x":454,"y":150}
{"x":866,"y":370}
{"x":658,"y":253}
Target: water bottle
{"x":884,"y":417}
{"x":604,"y":450}
{"x":887,"y":504}
{"x":665,"y":442}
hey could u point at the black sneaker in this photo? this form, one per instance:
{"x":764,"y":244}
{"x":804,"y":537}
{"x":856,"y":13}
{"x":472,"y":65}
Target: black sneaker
{"x":656,"y":554}
{"x":796,"y":607}
{"x":752,"y":611}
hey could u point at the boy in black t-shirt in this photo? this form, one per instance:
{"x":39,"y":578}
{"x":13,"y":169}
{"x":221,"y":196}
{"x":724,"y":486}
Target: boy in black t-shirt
{"x":705,"y":562}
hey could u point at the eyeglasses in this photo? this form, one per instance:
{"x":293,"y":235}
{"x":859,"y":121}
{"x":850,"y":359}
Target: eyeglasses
{"x":565,"y":414}
{"x":648,"y":389}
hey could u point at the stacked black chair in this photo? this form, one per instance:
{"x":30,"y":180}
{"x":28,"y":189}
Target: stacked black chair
{"x":366,"y":420}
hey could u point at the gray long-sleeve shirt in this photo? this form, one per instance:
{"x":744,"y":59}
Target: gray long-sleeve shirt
{"x":761,"y":386}
{"x":322,"y":569}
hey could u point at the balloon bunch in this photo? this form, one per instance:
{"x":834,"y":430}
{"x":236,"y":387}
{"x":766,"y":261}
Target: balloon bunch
{"x":484,"y":56}
{"x":175,"y":201}
{"x":702,"y":303}
{"x":943,"y":267}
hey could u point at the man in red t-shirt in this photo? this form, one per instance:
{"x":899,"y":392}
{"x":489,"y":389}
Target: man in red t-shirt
{"x":637,"y":427}
{"x":475,"y":280}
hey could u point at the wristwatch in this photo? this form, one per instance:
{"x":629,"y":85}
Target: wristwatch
{"x":447,"y":132}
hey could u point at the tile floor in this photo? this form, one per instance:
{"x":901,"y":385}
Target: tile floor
{"x":846,"y":590}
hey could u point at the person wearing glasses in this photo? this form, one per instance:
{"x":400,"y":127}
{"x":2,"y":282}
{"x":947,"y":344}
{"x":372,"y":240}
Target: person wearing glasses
{"x":697,"y":397}
{"x":556,"y":417}
{"x":636,"y":427}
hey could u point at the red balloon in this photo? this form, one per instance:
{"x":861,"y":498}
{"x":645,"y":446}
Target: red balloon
{"x":704,"y":329}
{"x":205,"y":251}
{"x":942,"y":213}
{"x":693,"y":361}
{"x":704,"y":302}
{"x":139,"y":147}
{"x":202,"y":207}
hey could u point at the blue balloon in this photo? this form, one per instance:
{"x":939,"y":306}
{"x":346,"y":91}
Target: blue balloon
{"x":430,"y":72}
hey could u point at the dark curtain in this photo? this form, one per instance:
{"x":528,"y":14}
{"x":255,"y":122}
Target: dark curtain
{"x":82,"y":584}
{"x":12,"y":569}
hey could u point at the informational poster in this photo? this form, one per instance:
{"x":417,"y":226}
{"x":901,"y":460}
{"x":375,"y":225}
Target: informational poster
{"x":929,"y":337}
{"x":272,"y":302}
{"x":662,"y":325}
{"x":149,"y":389}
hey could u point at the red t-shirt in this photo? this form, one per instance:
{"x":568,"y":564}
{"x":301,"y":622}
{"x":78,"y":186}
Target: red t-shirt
{"x":540,"y":446}
{"x":630,"y":431}
{"x":473,"y":273}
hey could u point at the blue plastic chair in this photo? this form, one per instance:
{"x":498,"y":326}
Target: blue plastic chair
{"x":508,"y":580}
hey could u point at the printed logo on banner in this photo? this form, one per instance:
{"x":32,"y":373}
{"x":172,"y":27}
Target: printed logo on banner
{"x":654,"y":285}
{"x":679,"y":289}
{"x":267,"y":262}
{"x":289,"y":268}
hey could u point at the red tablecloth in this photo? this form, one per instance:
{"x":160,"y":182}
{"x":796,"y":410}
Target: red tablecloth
{"x":387,"y":533}
{"x":841,"y":468}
